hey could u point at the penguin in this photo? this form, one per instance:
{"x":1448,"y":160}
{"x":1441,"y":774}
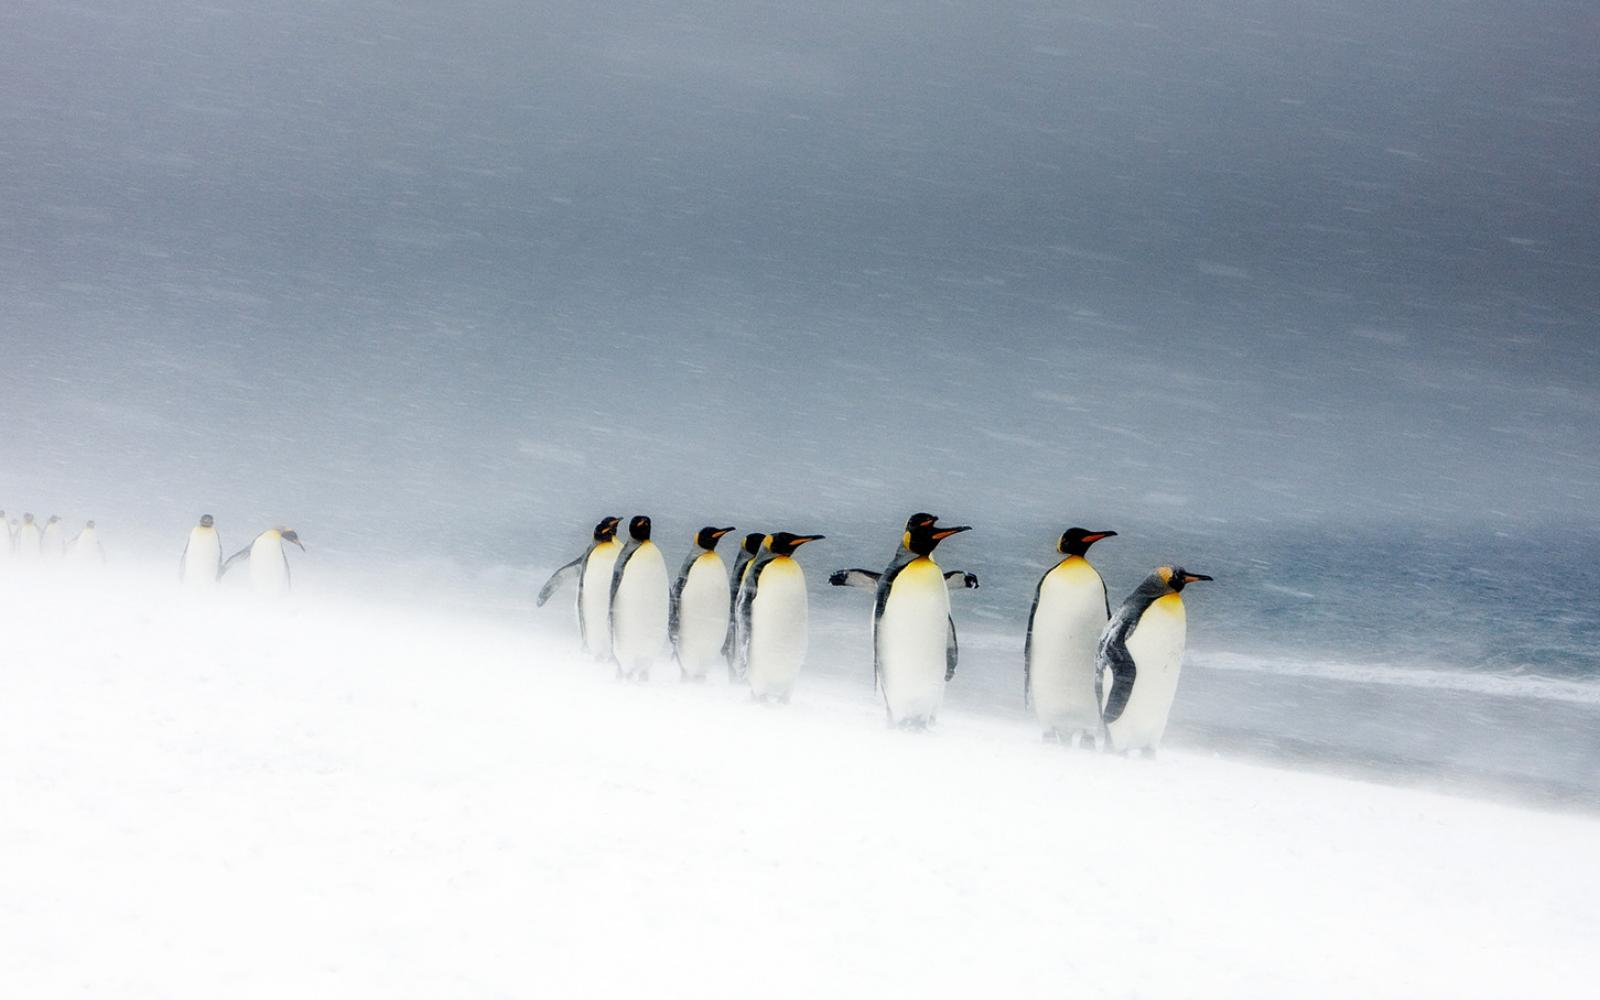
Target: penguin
{"x":593,"y":570}
{"x":772,"y":617}
{"x":29,"y":538}
{"x":8,"y":537}
{"x":1142,"y":649}
{"x":913,"y":636}
{"x":639,"y":603}
{"x":84,"y":550}
{"x":866,"y":579}
{"x":53,"y":542}
{"x":1070,"y":610}
{"x":699,"y":616}
{"x":201,"y":563}
{"x":269,"y":563}
{"x":748,"y":550}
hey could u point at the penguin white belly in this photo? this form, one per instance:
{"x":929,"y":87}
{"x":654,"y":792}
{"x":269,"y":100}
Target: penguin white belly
{"x":703,"y":615}
{"x":269,"y":569}
{"x":639,"y":610}
{"x":594,"y":599}
{"x":201,"y":558}
{"x":778,"y":630}
{"x":1156,"y":646}
{"x":1066,"y":629}
{"x":912,"y":636}
{"x":53,"y":542}
{"x":85,"y":551}
{"x":28,"y":542}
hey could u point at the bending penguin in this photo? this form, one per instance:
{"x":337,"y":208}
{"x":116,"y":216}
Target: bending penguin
{"x":748,"y":550}
{"x":269,"y":562}
{"x":772,"y":618}
{"x":201,"y":563}
{"x":913,"y":636}
{"x":593,"y":570}
{"x":699,"y":616}
{"x":1142,"y":650}
{"x":1070,"y":610}
{"x":639,"y":603}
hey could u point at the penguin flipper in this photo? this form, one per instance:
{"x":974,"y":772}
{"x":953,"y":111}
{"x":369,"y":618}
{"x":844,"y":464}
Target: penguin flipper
{"x":864,"y":579}
{"x":243,"y":555}
{"x":961,"y":580}
{"x":951,"y":652}
{"x":554,"y":583}
{"x":1114,"y":657}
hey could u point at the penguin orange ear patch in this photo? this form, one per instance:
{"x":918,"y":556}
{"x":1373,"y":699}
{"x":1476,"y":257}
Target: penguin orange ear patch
{"x":1165,"y":572}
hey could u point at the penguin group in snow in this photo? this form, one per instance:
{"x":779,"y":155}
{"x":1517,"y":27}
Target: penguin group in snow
{"x":201,"y":566}
{"x":26,"y":544}
{"x":1091,"y":677}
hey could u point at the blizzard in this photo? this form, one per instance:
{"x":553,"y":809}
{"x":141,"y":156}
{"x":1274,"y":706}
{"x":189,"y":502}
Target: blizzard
{"x":340,"y":796}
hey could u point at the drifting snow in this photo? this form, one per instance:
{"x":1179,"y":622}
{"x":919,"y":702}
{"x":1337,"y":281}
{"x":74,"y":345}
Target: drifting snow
{"x":219,"y":798}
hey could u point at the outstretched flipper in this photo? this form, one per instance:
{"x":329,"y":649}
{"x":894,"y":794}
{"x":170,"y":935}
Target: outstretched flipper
{"x":865,"y":579}
{"x":951,"y":652}
{"x":959,"y":580}
{"x":554,"y":583}
{"x":243,"y":555}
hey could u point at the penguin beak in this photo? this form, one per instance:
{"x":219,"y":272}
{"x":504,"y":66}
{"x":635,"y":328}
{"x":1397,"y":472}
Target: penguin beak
{"x":1194,"y":577}
{"x":1096,"y":536}
{"x":802,"y":539}
{"x":720,"y":532}
{"x":944,"y":533}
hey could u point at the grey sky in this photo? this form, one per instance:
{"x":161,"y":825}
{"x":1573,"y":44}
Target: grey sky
{"x":1269,"y":262}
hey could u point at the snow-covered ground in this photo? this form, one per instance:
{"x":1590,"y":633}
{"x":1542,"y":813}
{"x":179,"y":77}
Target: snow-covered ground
{"x":322,"y":798}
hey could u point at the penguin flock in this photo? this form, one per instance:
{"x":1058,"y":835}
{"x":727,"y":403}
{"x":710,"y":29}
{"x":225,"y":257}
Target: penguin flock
{"x":201,"y":566}
{"x":26,"y":543}
{"x":1091,"y":677}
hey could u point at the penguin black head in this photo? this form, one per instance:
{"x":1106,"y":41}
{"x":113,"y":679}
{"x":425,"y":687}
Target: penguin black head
{"x":1176,"y":577}
{"x":27,"y":519}
{"x":205,"y":520}
{"x":784,"y":543}
{"x":89,"y":525}
{"x":639,"y":528}
{"x":708,"y":537}
{"x":920,"y":520}
{"x":924,"y":538}
{"x":53,"y":519}
{"x":1076,"y":541}
{"x":606,"y":530}
{"x":290,"y":535}
{"x":752,"y":542}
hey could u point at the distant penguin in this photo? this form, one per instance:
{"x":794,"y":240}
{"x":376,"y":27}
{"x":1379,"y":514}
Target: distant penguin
{"x":1070,"y":610}
{"x":699,"y":614}
{"x":53,"y":541}
{"x":269,"y":563}
{"x":29,"y":539}
{"x":1142,"y":651}
{"x":593,"y":572}
{"x":913,"y":635}
{"x":200,"y":565}
{"x":748,"y":550}
{"x":772,"y":618}
{"x":639,"y":603}
{"x":84,"y":550}
{"x":8,"y":537}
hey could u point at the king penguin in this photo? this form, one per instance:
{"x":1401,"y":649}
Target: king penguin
{"x":772,"y":617}
{"x":913,"y":636}
{"x":639,"y":603}
{"x":200,"y":566}
{"x":84,"y":550}
{"x":1142,"y":650}
{"x":269,"y":563}
{"x":748,"y":550}
{"x":699,"y":617}
{"x":1070,"y":610}
{"x":593,"y":570}
{"x":29,"y":538}
{"x":53,"y":541}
